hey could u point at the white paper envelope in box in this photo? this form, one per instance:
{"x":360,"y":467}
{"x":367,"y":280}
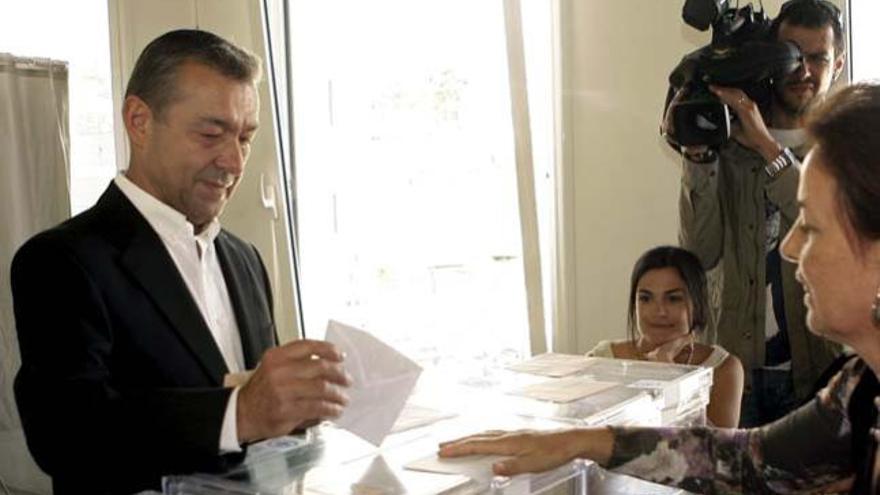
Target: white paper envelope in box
{"x":382,"y":382}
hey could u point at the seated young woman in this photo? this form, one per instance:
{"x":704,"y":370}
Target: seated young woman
{"x":668,"y":307}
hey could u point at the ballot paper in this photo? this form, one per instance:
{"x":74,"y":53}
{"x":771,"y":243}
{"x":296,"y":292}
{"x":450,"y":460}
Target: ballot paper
{"x":476,"y":467}
{"x":562,"y":389}
{"x":414,"y":416}
{"x":382,"y":380}
{"x":379,"y":478}
{"x":553,"y":365}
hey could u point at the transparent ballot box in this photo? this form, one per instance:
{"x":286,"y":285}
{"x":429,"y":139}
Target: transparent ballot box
{"x":498,"y":389}
{"x":617,"y":406}
{"x":671,"y":384}
{"x":693,"y":416}
{"x":646,"y":393}
{"x":333,"y":461}
{"x":329,"y":460}
{"x":602,"y":482}
{"x":643,"y":393}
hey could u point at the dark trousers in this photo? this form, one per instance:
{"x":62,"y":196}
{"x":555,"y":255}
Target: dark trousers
{"x":770,"y":397}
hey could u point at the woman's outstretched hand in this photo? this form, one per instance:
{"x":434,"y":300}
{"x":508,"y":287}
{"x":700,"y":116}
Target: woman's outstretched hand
{"x":533,"y":451}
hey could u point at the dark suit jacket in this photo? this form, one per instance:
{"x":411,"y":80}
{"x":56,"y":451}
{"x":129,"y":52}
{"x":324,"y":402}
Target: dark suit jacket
{"x":121,"y":381}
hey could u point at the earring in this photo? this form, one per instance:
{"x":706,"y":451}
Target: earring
{"x":875,"y":309}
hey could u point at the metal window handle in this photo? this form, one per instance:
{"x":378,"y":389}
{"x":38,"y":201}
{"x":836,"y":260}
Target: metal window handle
{"x":267,"y":195}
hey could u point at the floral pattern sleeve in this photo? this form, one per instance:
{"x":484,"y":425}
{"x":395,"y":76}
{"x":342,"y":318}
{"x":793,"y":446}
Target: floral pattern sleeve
{"x":808,"y":449}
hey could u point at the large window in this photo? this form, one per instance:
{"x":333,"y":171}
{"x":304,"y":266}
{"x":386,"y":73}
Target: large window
{"x":77,"y":33}
{"x":406,"y":194}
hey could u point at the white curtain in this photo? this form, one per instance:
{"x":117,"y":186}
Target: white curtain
{"x":34,"y":195}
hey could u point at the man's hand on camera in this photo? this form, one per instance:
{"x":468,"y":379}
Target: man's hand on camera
{"x":751,"y":131}
{"x":294,"y":384}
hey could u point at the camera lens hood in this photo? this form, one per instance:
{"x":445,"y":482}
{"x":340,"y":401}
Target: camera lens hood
{"x":752,"y":61}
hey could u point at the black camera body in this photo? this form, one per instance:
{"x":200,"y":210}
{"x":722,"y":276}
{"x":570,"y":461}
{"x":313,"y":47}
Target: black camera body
{"x":741,"y":54}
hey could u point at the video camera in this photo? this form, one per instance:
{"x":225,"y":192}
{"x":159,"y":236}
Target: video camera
{"x":741,"y":55}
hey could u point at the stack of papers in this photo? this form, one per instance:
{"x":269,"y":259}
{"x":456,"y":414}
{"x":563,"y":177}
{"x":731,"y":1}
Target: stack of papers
{"x":414,"y":416}
{"x":553,"y":365}
{"x":563,"y":390}
{"x":558,"y":366}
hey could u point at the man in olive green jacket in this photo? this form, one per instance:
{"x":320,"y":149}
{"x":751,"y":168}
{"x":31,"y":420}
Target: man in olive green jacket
{"x":736,"y":205}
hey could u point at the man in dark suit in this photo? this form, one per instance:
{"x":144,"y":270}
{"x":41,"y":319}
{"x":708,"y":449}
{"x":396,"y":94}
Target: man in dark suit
{"x":130,"y":314}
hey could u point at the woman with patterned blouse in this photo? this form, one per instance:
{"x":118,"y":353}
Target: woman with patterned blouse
{"x":828,"y":444}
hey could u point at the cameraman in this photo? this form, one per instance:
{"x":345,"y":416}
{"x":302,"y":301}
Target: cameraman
{"x":735,"y":205}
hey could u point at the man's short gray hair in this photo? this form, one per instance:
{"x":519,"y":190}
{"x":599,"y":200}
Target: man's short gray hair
{"x":153,"y":77}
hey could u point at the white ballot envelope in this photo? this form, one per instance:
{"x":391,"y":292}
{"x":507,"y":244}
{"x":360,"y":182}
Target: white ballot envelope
{"x":382,"y":382}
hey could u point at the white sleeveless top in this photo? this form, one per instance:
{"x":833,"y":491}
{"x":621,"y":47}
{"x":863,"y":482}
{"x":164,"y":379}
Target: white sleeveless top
{"x":718,"y":355}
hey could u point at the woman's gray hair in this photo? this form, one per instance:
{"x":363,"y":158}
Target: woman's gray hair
{"x":846,"y":131}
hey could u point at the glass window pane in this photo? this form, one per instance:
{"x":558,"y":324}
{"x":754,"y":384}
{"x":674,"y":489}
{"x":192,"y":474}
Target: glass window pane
{"x":405,"y":176}
{"x":865,"y":39}
{"x":78,"y":33}
{"x":537,"y":25}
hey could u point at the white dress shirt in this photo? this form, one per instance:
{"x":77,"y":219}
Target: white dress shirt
{"x":196,"y":259}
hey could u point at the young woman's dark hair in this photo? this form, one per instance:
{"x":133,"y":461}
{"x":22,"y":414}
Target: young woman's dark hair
{"x":691,"y":272}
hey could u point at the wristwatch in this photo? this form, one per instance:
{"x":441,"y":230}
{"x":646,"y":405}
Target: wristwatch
{"x":782,"y":161}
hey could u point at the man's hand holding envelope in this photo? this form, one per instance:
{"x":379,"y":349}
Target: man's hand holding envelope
{"x":294,"y":384}
{"x":352,"y":376}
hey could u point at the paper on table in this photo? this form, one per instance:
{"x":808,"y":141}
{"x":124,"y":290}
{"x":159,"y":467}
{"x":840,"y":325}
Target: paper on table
{"x":414,"y":416}
{"x":476,"y":467}
{"x":382,"y":381}
{"x":380,"y":479}
{"x":552,"y":364}
{"x":563,"y":389}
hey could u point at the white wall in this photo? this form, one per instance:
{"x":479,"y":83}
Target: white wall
{"x":619,"y":179}
{"x":133,"y":24}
